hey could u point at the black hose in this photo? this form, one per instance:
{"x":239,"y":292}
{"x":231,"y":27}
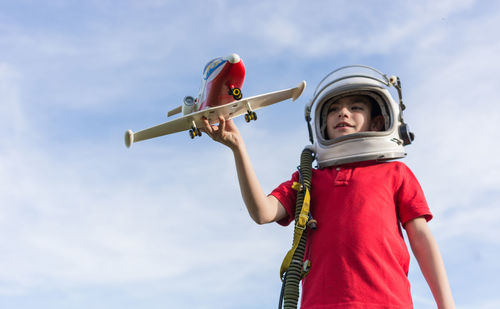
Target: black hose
{"x":294,"y":273}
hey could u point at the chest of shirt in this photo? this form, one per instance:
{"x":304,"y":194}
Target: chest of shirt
{"x":361,"y":195}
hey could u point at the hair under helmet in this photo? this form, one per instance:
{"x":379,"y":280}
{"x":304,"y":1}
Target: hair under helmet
{"x":362,"y":146}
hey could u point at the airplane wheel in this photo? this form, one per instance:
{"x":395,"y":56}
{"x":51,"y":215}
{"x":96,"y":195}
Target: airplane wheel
{"x":254,"y":116}
{"x":191,"y":134}
{"x":236,"y":92}
{"x":247,"y":118}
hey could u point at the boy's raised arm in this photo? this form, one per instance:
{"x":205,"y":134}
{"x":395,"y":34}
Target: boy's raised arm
{"x":426,"y":251}
{"x":262,"y":208}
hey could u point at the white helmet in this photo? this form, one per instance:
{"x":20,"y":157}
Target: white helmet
{"x":362,"y":146}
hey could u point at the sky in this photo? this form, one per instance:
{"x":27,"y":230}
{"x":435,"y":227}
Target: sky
{"x":87,"y":223}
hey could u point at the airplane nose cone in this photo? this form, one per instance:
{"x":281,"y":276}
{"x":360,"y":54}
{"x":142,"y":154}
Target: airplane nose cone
{"x":233,"y":58}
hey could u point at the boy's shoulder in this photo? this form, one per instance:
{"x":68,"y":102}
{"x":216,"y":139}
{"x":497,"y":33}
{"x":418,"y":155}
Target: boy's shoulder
{"x":396,"y":165}
{"x":393,"y":167}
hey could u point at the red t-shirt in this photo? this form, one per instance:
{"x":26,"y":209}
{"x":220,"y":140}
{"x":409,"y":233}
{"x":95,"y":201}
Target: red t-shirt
{"x":358,"y":254}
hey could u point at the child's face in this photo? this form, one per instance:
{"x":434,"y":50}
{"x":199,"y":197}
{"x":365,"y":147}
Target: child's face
{"x":348,"y":115}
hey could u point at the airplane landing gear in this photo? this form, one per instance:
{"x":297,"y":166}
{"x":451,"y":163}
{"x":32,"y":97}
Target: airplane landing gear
{"x":250,"y":116}
{"x":194,"y":132}
{"x":236,"y":93}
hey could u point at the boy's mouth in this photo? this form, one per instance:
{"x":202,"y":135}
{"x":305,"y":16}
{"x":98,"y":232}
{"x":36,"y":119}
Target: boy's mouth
{"x":342,"y":125}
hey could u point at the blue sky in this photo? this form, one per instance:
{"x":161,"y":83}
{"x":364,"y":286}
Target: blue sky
{"x":87,"y":223}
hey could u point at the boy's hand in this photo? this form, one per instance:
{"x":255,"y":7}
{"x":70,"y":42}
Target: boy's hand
{"x":225,"y":133}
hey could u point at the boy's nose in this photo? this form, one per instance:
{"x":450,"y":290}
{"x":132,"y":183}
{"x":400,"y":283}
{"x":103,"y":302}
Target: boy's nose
{"x":343,"y":112}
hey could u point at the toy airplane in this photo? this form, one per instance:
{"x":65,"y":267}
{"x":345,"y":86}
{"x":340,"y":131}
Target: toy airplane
{"x":220,"y":95}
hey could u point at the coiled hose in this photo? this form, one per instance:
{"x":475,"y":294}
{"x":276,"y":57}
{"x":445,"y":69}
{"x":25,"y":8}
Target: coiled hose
{"x":290,"y":292}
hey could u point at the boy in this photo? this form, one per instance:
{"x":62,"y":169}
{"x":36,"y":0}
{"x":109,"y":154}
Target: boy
{"x":358,"y":255}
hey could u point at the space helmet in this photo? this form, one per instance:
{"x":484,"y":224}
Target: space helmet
{"x":358,"y":80}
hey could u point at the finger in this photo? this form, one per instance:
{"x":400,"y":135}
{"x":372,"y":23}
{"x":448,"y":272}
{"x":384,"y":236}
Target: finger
{"x":207,"y":128}
{"x":222,"y":124}
{"x":229,"y":123}
{"x":231,"y":126}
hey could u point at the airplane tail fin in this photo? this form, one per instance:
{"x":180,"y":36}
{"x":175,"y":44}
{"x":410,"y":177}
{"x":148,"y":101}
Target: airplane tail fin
{"x":175,"y":111}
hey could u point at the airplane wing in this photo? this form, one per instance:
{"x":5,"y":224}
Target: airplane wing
{"x":228,"y":111}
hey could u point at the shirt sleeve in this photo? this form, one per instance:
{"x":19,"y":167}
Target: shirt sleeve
{"x":410,"y":198}
{"x":287,"y":197}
